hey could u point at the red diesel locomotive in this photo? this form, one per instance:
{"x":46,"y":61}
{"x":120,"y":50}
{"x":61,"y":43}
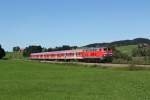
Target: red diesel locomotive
{"x":86,"y":55}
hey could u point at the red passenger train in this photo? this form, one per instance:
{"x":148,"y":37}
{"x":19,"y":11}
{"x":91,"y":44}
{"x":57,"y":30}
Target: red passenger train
{"x":86,"y":55}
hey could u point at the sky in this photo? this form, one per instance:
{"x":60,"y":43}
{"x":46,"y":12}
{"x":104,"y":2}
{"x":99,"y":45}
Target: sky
{"x":52,"y":23}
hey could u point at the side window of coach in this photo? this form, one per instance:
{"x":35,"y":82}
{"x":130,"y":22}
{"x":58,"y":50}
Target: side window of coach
{"x":105,"y":49}
{"x":109,"y":48}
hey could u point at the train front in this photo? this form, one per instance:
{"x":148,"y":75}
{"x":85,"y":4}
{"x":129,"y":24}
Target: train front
{"x":102,"y":54}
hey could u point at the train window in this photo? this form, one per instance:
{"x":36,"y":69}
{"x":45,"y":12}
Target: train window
{"x":78,"y":54}
{"x":109,"y":48}
{"x":71,"y":54}
{"x":105,"y":49}
{"x":67,"y":54}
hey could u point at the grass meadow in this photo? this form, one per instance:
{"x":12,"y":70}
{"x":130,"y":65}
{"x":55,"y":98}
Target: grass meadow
{"x":20,"y":80}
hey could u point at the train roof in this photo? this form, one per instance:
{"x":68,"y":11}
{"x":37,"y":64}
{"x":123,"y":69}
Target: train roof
{"x":55,"y":52}
{"x":68,"y":51}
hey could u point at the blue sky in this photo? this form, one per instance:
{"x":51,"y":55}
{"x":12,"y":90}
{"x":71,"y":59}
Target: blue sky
{"x":53,"y":23}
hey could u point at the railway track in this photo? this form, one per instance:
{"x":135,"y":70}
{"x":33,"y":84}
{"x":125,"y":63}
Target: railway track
{"x":98,"y":64}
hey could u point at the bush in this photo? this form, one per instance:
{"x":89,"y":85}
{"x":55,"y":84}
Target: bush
{"x":141,"y":51}
{"x":2,"y":52}
{"x":120,"y":61}
{"x":141,"y":60}
{"x":119,"y":57}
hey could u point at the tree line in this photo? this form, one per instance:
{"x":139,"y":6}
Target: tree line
{"x":121,"y":43}
{"x":36,"y":49}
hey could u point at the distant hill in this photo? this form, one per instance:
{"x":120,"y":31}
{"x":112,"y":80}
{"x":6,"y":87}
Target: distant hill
{"x":121,"y":43}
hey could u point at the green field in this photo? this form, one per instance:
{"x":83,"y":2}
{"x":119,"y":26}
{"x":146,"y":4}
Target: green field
{"x":127,"y":49}
{"x":14,"y":55}
{"x":21,"y":80}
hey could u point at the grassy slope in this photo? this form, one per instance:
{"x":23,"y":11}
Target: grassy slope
{"x":14,"y":55}
{"x":127,"y":49}
{"x":38,"y":81}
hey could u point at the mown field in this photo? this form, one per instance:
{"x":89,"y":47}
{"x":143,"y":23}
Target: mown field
{"x":21,"y":80}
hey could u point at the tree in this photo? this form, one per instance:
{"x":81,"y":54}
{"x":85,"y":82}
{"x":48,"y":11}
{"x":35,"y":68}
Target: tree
{"x":31,"y":49}
{"x":50,"y":49}
{"x":143,"y":50}
{"x":44,"y":50}
{"x":119,"y":55}
{"x":16,"y":49}
{"x":2,"y":52}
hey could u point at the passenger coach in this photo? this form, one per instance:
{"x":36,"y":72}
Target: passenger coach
{"x":86,"y":55}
